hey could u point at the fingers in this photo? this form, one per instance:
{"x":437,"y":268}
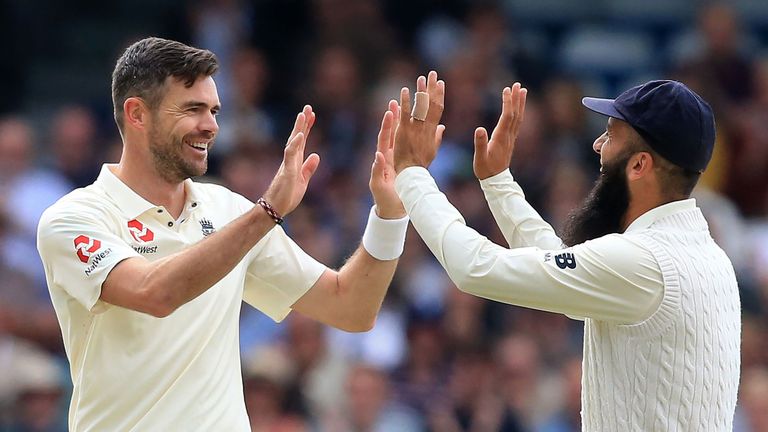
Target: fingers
{"x":309,"y":167}
{"x":421,"y":83}
{"x":405,"y":105}
{"x":436,"y":91}
{"x":294,"y":143}
{"x":521,"y":107}
{"x":298,"y":126}
{"x":508,"y":108}
{"x":294,"y":152}
{"x":385,"y":133}
{"x":379,"y":165}
{"x":304,"y":122}
{"x":310,"y":119}
{"x":395,"y":108}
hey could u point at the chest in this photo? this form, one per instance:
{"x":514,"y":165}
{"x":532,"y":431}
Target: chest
{"x":155,"y":234}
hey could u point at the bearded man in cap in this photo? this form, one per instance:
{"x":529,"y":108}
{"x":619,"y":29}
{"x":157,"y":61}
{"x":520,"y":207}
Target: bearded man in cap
{"x":637,"y":263}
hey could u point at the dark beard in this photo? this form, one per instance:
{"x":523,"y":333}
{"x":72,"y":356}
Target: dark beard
{"x":168,"y":160}
{"x":604,"y":208}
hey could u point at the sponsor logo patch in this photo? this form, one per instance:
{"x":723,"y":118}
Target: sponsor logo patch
{"x":85,"y":247}
{"x":139,"y":232}
{"x":565,"y":260}
{"x":145,"y":250}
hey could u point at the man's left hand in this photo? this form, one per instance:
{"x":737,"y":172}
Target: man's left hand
{"x":382,"y":183}
{"x":417,"y":141}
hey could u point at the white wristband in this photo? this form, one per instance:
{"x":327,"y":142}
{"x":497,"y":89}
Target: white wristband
{"x":384,"y":238}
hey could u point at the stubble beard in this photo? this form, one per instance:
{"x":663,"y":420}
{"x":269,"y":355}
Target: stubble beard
{"x":602,"y":211}
{"x":168,"y":159}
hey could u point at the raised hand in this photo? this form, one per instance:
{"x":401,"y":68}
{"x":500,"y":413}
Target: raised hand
{"x":416,"y":141}
{"x":292,"y":178}
{"x":494,"y":156}
{"x":382,"y":183}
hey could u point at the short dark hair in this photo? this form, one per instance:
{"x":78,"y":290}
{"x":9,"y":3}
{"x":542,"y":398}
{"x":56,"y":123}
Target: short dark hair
{"x":143,"y":68}
{"x":678,"y":182}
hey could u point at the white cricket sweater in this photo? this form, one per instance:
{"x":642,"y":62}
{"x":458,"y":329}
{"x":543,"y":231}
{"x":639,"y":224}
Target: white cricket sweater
{"x":661,"y":304}
{"x":679,"y":369}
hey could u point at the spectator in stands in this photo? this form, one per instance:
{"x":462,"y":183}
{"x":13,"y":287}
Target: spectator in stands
{"x":72,"y":140}
{"x":369,"y":405}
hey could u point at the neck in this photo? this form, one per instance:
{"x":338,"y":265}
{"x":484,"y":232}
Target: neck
{"x":150,"y":185}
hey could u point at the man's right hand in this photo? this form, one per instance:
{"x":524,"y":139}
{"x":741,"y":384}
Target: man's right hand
{"x":292,"y":178}
{"x":495,"y":156}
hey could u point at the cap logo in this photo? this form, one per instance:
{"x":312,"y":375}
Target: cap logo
{"x":139,"y":232}
{"x":85,"y":247}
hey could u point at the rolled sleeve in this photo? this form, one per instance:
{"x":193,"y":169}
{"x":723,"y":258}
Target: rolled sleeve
{"x":613,"y":278}
{"x":279,"y":273}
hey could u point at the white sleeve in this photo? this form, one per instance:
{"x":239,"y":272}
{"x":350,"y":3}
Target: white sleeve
{"x":279,"y":273}
{"x":520,"y":223}
{"x":613,"y":278}
{"x":79,"y":251}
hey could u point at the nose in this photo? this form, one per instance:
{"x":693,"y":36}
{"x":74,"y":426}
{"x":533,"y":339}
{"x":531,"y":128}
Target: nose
{"x":598,"y":144}
{"x":209,"y":124}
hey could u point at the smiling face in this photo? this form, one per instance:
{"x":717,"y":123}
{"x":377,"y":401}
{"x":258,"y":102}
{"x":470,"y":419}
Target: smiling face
{"x":183,"y":128}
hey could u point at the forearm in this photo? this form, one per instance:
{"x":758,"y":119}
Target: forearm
{"x":161,"y":286}
{"x":351,"y":297}
{"x":518,"y":221}
{"x":616,"y":278}
{"x":362,"y":283}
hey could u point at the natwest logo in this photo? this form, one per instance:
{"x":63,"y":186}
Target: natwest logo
{"x":139,"y":232}
{"x":85,"y":246}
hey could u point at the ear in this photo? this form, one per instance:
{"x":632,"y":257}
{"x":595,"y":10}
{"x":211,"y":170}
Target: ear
{"x":135,"y":113}
{"x":639,"y":165}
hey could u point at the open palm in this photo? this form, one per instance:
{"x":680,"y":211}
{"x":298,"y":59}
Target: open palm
{"x":494,"y":156}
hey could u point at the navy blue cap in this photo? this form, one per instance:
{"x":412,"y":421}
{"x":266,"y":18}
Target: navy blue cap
{"x":675,"y":122}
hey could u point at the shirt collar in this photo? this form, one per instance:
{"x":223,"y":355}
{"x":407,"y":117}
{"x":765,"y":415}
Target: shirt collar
{"x":648,"y":218}
{"x":131,"y":203}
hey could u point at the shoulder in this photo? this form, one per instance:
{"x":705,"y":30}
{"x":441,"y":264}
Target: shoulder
{"x":628,"y":251}
{"x":80,"y":205}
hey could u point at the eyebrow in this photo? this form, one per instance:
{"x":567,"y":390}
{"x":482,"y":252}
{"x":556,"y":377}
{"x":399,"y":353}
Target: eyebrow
{"x":198,"y":104}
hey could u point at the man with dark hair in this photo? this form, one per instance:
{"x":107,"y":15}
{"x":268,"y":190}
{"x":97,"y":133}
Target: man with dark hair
{"x":659,"y":298}
{"x":147,"y":269}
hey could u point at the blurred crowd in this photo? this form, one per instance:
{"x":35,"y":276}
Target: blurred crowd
{"x":437,"y":360}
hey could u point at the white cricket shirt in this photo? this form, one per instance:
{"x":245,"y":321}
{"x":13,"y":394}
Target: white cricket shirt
{"x":660,"y":301}
{"x":132,"y":371}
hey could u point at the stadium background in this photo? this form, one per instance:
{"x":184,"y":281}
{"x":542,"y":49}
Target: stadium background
{"x":437,"y":359}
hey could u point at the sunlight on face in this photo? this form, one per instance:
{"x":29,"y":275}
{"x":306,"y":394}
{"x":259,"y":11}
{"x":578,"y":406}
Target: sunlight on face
{"x":183,"y":129}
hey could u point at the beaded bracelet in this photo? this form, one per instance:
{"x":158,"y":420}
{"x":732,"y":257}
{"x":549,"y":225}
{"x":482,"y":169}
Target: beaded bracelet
{"x":270,"y":210}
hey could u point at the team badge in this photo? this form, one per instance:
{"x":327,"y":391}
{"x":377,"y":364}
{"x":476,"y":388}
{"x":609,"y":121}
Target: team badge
{"x":207,"y":227}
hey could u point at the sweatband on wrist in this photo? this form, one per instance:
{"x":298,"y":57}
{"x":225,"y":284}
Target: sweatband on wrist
{"x":384,"y":239}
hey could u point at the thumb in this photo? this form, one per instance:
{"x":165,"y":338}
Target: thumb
{"x":481,"y":150}
{"x":481,"y":142}
{"x":310,"y":166}
{"x":439,"y":135}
